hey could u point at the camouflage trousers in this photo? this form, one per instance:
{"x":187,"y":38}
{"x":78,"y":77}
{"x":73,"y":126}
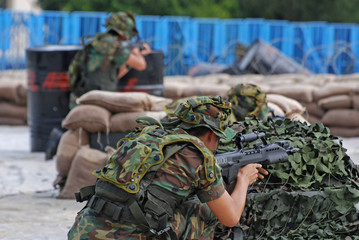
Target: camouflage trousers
{"x":193,"y":220}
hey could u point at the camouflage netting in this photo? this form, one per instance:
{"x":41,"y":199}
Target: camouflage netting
{"x":312,"y":196}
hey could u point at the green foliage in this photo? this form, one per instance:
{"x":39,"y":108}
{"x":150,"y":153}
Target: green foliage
{"x":312,"y":196}
{"x":320,"y":162}
{"x":301,"y":215}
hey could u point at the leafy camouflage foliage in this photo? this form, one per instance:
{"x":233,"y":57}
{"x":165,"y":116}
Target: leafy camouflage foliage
{"x":312,"y":196}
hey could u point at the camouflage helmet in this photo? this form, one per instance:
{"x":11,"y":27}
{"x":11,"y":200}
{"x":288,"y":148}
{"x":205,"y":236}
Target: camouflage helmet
{"x":248,"y":100}
{"x":210,"y":112}
{"x":123,"y":23}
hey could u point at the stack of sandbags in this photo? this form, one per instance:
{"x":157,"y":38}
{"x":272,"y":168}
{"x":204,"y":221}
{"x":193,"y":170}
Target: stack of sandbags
{"x":123,"y":108}
{"x":98,"y":112}
{"x":301,"y":89}
{"x":287,"y":107}
{"x":340,"y":103}
{"x":178,"y":87}
{"x":13,"y":103}
{"x":282,"y":103}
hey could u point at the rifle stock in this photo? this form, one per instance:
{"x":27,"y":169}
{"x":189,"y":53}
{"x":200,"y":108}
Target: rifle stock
{"x":131,"y":44}
{"x":262,"y":153}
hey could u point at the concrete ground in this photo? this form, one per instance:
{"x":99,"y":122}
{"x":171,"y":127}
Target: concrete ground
{"x":28,"y":207}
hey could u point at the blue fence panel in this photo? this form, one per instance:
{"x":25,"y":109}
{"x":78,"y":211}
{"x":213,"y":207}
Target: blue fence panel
{"x":36,"y":23}
{"x":206,"y":47}
{"x":179,"y":42}
{"x":325,"y":47}
{"x":15,"y":34}
{"x":310,"y":44}
{"x":152,"y":30}
{"x":5,"y":24}
{"x":231,"y":40}
{"x":342,"y":60}
{"x":281,"y":36}
{"x":85,"y":24}
{"x":320,"y":46}
{"x":354,"y":43}
{"x":255,"y":29}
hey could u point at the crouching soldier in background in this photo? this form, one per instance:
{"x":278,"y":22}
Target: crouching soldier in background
{"x":248,"y":100}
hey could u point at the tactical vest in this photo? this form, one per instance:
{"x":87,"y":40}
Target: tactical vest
{"x":124,"y":191}
{"x":82,"y":79}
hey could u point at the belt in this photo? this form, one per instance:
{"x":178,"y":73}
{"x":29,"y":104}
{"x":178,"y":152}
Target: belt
{"x":116,"y":211}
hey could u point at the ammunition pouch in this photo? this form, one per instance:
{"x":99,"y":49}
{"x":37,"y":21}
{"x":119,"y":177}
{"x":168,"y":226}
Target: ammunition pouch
{"x":117,"y":204}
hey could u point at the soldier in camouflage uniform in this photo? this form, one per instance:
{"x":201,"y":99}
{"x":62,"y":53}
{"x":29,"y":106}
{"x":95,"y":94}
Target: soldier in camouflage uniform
{"x":107,"y":57}
{"x":163,"y":182}
{"x":248,"y":100}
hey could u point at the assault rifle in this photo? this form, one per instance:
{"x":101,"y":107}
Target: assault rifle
{"x":131,"y":44}
{"x":262,"y":153}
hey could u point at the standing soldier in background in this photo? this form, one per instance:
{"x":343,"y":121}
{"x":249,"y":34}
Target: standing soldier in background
{"x":107,"y":57}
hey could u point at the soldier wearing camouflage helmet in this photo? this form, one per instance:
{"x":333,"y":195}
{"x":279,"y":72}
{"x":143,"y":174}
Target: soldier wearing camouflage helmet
{"x":163,"y":182}
{"x":106,"y":57}
{"x":248,"y":100}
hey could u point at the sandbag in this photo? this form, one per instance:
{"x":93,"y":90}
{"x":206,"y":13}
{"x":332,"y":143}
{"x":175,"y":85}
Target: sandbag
{"x":8,"y":109}
{"x":348,"y":118}
{"x":344,"y":132}
{"x":180,"y":90}
{"x":70,"y":142}
{"x":297,"y":117}
{"x":313,"y":119}
{"x":337,"y":101}
{"x":314,"y":109}
{"x":335,"y":88}
{"x":255,"y":79}
{"x":288,"y":105}
{"x":276,"y":109}
{"x":122,"y":122}
{"x":211,"y":79}
{"x":177,"y":79}
{"x":355,"y":101}
{"x":157,"y":103}
{"x":123,"y":101}
{"x":174,"y":90}
{"x":11,"y":121}
{"x":21,"y":95}
{"x":92,"y":118}
{"x":303,"y":93}
{"x":85,"y":161}
{"x":205,"y":90}
{"x":10,"y":91}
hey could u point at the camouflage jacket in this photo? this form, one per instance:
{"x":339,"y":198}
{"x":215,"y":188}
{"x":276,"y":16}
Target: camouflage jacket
{"x":138,"y":155}
{"x":183,"y":174}
{"x":96,"y":66}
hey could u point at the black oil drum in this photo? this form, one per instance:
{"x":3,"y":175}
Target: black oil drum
{"x":48,"y":90}
{"x":149,"y":80}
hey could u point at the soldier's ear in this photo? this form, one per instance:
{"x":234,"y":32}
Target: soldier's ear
{"x":210,"y":139}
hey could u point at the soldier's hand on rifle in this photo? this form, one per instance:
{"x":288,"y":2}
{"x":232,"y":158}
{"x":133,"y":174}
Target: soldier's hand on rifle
{"x":229,"y":208}
{"x":250,"y":173}
{"x":135,"y":60}
{"x":146,"y":49}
